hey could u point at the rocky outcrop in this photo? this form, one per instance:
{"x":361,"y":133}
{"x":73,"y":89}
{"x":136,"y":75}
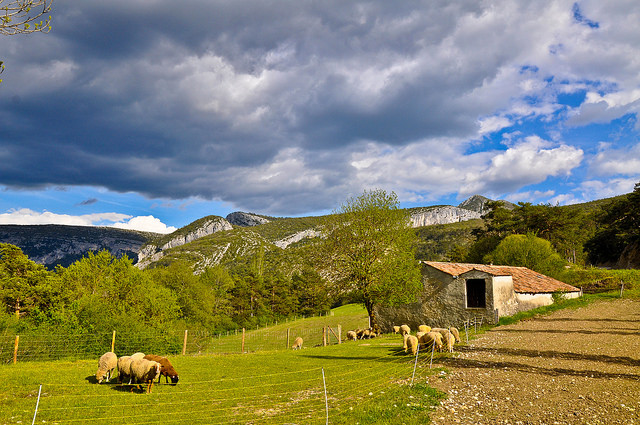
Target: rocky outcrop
{"x":297,"y":237}
{"x":153,"y":252}
{"x":441,"y":215}
{"x":244,"y":219}
{"x":478,"y":204}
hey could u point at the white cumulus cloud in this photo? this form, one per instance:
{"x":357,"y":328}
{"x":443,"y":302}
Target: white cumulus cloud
{"x":26,"y":216}
{"x":146,"y":223}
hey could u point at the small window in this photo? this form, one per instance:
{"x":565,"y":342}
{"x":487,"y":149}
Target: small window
{"x":476,"y":293}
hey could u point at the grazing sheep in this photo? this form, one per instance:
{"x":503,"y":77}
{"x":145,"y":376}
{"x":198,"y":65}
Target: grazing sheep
{"x":297,"y":344}
{"x":419,"y":335}
{"x":449,"y":340}
{"x":166,"y":368}
{"x":411,"y":344}
{"x":396,"y":329}
{"x":404,"y":342}
{"x":144,"y":371}
{"x":107,"y":363}
{"x":455,"y":333}
{"x":137,"y":356}
{"x":405,"y":329}
{"x":424,"y":328}
{"x":124,"y":364}
{"x":432,"y":338}
{"x":351,"y":336}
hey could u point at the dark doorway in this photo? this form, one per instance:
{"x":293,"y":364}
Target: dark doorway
{"x":476,"y":290}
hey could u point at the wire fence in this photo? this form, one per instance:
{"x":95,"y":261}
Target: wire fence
{"x":308,"y":396}
{"x":40,"y":347}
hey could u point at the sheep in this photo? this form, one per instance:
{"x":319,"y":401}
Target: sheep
{"x":449,"y":340}
{"x":424,"y":328}
{"x":166,"y":368}
{"x":411,"y":344}
{"x":455,"y":333}
{"x":396,"y":329}
{"x":124,"y":363}
{"x":137,"y":356}
{"x":351,"y":336}
{"x":419,"y":335}
{"x":432,"y":338}
{"x":107,"y":363}
{"x":144,"y":371}
{"x":405,"y":329}
{"x":404,"y":342}
{"x":297,"y":344}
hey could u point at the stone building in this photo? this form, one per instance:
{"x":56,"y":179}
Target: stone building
{"x":455,"y":292}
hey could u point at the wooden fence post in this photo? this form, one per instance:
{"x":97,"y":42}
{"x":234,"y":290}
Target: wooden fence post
{"x":288,"y":337}
{"x":15,"y":350}
{"x":324,"y":336}
{"x":184,"y":344}
{"x":113,"y":341}
{"x":243,"y":340}
{"x":339,"y":334}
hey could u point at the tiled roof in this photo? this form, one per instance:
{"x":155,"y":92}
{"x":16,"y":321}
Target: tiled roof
{"x":524,"y":280}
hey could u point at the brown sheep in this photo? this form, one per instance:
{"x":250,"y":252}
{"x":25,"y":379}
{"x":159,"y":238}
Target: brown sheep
{"x":166,"y":368}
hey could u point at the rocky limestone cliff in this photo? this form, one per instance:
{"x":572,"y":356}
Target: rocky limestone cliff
{"x":297,"y":237}
{"x":441,"y":215}
{"x":153,"y":252}
{"x":244,"y":219}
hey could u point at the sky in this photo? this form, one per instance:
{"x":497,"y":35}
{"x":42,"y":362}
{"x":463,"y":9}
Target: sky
{"x":150,"y":114}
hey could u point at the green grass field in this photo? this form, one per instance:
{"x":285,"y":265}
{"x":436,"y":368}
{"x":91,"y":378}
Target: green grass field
{"x":367,"y":382}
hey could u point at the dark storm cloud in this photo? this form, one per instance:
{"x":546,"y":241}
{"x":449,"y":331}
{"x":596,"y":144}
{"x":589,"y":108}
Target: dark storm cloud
{"x":258,"y":103}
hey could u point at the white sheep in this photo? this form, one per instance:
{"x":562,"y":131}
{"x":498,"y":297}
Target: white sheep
{"x":449,"y":339}
{"x":297,"y":344}
{"x":455,"y":333}
{"x":351,"y":336}
{"x":124,"y":364}
{"x":138,"y":355}
{"x":143,"y":371}
{"x":424,"y":328}
{"x":396,"y":329}
{"x":411,"y":344}
{"x":107,"y":363}
{"x":405,"y":329}
{"x":404,"y":341}
{"x":419,"y":335}
{"x":432,"y":338}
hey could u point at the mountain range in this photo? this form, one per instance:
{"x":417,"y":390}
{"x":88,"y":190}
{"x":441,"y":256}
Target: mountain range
{"x":207,"y":241}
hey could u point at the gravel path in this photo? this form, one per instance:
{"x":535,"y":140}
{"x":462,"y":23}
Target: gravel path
{"x":577,"y":366}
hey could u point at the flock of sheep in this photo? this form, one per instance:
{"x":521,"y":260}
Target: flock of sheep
{"x":138,"y":369}
{"x":437,"y":338}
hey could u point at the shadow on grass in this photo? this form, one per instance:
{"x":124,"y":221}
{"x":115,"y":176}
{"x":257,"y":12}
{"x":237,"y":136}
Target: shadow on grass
{"x":387,"y":355}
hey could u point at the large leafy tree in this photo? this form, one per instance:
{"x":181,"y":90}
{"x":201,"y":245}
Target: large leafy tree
{"x":527,"y":251}
{"x":368,"y":249}
{"x":24,"y":285}
{"x":619,"y":229}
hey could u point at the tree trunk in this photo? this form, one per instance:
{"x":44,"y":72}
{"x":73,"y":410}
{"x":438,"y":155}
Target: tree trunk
{"x":373,"y":320}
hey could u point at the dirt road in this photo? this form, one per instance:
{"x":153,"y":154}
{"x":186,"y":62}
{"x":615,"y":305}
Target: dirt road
{"x":572,"y":367}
